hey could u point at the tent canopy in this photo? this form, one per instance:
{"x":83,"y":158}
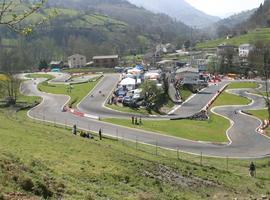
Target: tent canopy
{"x":128,"y":81}
{"x":140,"y":67}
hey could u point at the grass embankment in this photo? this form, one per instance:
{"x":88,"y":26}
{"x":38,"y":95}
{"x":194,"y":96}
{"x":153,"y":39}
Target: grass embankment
{"x":77,"y":91}
{"x":251,"y":37}
{"x":37,"y":160}
{"x":262,"y":115}
{"x":185,"y":94}
{"x":212,"y":130}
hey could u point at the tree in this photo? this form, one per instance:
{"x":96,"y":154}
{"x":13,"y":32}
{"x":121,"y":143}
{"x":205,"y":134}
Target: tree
{"x":152,"y":95}
{"x":43,"y":65}
{"x":14,"y":12}
{"x":12,"y":15}
{"x":260,"y":60}
{"x":11,"y":88}
{"x":226,"y":60}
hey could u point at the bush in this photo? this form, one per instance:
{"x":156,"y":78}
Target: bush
{"x":26,"y":184}
{"x":42,"y":190}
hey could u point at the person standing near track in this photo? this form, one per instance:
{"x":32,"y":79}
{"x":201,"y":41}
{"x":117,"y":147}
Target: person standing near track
{"x":252,"y":169}
{"x":74,"y":129}
{"x":100,"y":134}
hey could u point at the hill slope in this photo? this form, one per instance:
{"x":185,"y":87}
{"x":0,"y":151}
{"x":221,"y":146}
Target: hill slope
{"x":261,"y":18}
{"x":178,"y":9}
{"x":92,"y":27}
{"x":250,"y":37}
{"x":39,"y":161}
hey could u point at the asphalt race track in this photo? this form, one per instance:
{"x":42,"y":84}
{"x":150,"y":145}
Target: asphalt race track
{"x":244,"y":140}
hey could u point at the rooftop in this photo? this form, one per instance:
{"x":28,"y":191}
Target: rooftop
{"x":105,"y":57}
{"x":187,"y":69}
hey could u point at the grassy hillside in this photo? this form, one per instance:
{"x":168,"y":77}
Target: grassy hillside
{"x":250,"y":37}
{"x":37,"y":160}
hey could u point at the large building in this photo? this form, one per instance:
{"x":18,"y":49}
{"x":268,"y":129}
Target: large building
{"x":109,"y":61}
{"x":225,"y":48}
{"x":76,"y":61}
{"x":244,"y":50}
{"x":187,"y":75}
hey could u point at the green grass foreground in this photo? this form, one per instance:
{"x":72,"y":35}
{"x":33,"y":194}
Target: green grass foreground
{"x":212,"y":130}
{"x":78,"y":91}
{"x":42,"y":161}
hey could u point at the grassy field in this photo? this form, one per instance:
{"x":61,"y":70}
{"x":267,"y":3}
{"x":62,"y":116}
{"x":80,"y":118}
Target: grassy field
{"x":230,"y":99}
{"x":90,"y":69}
{"x":251,"y":37}
{"x":238,"y":85}
{"x":38,"y":160}
{"x":212,"y":130}
{"x":48,"y":76}
{"x":78,"y":91}
{"x":129,"y":110}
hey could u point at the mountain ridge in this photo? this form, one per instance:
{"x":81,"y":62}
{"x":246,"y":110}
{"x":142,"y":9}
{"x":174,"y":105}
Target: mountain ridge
{"x":180,"y":10}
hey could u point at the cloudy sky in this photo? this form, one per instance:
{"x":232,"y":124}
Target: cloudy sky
{"x":224,"y":7}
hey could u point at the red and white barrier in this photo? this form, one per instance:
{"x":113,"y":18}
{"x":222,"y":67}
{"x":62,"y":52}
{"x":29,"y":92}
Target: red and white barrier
{"x":80,"y":114}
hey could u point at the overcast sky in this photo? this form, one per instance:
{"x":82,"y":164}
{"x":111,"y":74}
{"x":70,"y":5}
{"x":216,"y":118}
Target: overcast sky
{"x":223,"y":7}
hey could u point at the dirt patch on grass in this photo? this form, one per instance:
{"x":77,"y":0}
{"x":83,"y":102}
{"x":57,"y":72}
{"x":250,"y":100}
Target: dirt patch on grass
{"x":174,"y":177}
{"x":18,"y":196}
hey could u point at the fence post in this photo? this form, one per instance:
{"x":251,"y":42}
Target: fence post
{"x":178,"y":157}
{"x":136,"y":143}
{"x":65,"y":124}
{"x":156,"y":148}
{"x":201,"y":159}
{"x":227,"y":163}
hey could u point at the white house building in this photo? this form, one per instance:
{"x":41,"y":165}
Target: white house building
{"x":76,"y":61}
{"x":244,"y":50}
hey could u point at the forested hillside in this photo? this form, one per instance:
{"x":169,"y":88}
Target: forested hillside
{"x":261,"y":18}
{"x":91,"y":28}
{"x":257,"y":18}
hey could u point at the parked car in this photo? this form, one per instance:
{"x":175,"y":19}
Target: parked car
{"x":121,"y":93}
{"x":127,"y":100}
{"x":120,"y":99}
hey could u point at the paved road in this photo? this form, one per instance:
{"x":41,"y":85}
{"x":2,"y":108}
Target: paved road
{"x":246,"y":142}
{"x":94,"y":103}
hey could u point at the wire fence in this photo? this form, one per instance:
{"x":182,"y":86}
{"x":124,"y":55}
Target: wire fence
{"x":154,"y":150}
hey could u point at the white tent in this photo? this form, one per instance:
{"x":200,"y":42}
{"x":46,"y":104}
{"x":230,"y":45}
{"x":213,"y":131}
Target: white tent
{"x":134,"y":71}
{"x":152,"y":75}
{"x":129,"y":83}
